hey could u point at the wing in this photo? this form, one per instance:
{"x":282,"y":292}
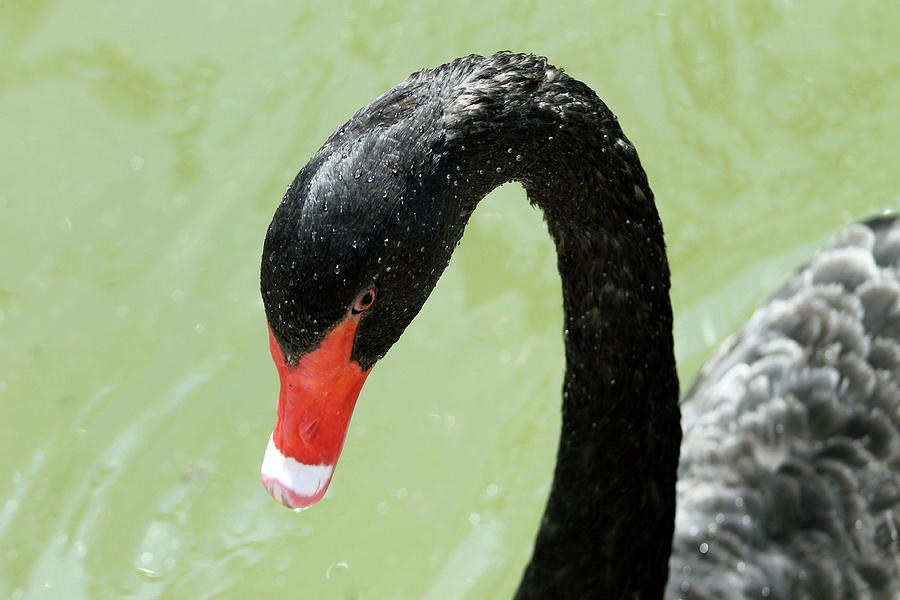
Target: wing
{"x":789,"y":480}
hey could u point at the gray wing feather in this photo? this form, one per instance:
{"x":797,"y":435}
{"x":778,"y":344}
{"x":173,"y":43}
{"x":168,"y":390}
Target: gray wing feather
{"x":788,"y":481}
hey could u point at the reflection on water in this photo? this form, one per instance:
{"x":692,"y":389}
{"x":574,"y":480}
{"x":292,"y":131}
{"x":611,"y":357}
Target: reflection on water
{"x":145,"y":148}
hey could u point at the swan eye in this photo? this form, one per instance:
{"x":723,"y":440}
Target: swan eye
{"x":364,"y":301}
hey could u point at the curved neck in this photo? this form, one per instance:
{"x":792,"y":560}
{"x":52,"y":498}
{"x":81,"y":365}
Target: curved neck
{"x":610,"y":515}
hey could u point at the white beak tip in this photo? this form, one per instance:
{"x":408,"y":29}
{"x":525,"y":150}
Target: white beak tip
{"x":293,"y":484}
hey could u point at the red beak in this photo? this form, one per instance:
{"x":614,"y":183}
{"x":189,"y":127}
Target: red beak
{"x":314,"y":408}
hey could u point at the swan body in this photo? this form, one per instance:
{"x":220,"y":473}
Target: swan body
{"x":788,"y":484}
{"x":786,"y":487}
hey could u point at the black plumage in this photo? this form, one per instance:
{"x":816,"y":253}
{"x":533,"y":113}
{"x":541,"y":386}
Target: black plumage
{"x":790,"y":432}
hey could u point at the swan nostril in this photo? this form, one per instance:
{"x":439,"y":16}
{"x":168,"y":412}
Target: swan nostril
{"x":308,"y":430}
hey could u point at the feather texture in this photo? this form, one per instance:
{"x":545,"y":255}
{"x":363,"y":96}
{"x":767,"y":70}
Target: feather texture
{"x":788,"y":484}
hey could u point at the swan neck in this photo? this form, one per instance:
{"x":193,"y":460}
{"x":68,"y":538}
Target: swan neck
{"x":610,"y":515}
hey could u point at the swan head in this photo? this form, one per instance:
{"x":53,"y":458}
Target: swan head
{"x":352,"y":253}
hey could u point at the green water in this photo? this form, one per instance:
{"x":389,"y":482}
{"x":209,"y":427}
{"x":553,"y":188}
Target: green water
{"x":143,"y":149}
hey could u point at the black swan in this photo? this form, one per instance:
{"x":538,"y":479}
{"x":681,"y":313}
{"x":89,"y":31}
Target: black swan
{"x":786,"y":486}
